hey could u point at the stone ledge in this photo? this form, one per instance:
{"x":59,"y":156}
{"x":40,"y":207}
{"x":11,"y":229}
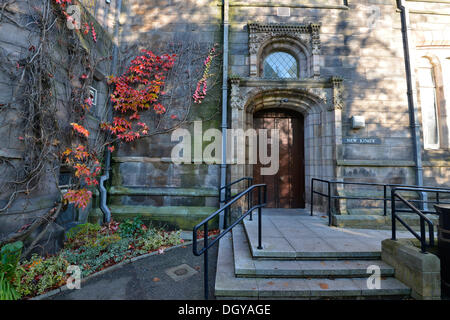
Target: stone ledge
{"x":179,"y":217}
{"x":375,"y":163}
{"x":417,"y":270}
{"x":189,"y":192}
{"x":377,"y":221}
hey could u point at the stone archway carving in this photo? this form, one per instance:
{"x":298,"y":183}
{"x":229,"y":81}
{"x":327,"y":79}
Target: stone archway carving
{"x":304,"y":36}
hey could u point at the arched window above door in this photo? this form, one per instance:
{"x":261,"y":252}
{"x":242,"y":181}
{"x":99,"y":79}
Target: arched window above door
{"x":280,"y":65}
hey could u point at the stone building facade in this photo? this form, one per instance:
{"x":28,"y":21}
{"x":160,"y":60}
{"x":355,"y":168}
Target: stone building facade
{"x":315,"y":68}
{"x":350,"y":64}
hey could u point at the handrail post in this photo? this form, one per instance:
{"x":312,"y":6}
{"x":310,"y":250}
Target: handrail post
{"x":259,"y":219}
{"x":394,"y":233}
{"x":431,"y":235}
{"x":385,"y":200}
{"x":251,"y":212}
{"x":312,"y":195}
{"x":205,"y":261}
{"x":329,"y":203}
{"x":423,"y":244}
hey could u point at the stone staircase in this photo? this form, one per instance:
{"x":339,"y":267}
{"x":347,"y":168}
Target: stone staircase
{"x":276,"y":272}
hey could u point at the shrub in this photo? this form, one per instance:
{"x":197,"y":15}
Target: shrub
{"x":82,"y":235}
{"x":132,"y":228}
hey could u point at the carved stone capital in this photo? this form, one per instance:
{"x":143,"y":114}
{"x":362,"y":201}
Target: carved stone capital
{"x":338,"y":99}
{"x":236,"y":101}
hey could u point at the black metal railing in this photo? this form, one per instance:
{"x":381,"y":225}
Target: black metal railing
{"x":395,"y":196}
{"x":386,"y":199}
{"x":262,"y":199}
{"x":228,"y":196}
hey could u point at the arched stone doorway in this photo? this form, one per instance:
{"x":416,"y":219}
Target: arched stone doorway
{"x":286,"y":188}
{"x":319,"y":102}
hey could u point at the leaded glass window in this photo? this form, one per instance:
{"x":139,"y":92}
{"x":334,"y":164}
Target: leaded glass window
{"x":280,"y":65}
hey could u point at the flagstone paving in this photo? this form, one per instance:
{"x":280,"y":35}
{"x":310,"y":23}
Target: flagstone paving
{"x":297,"y":235}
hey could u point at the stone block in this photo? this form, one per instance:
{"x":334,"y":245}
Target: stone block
{"x":420,"y":271}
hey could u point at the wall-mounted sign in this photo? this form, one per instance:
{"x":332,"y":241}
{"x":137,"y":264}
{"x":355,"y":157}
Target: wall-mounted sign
{"x":361,"y":140}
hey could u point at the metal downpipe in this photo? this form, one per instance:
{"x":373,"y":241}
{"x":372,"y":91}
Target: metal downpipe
{"x":224,"y":125}
{"x":103,"y":192}
{"x":412,"y":103}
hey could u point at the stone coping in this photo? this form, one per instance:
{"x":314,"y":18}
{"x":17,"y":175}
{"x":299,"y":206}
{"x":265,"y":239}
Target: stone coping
{"x":141,"y":191}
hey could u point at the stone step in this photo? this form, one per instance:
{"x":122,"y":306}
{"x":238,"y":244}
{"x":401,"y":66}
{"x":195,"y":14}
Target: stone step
{"x":245,"y":266}
{"x":228,"y":286}
{"x":163,"y":196}
{"x":367,"y":211}
{"x":176,"y":217}
{"x":379,"y":221}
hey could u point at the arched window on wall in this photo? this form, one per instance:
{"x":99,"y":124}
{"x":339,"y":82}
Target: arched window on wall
{"x":280,"y":65}
{"x":428,"y":103}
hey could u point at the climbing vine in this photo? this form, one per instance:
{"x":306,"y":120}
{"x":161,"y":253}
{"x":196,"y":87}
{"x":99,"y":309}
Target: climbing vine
{"x":52,"y":100}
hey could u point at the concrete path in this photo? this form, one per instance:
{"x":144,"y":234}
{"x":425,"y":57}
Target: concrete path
{"x":294,"y":234}
{"x":176,"y":275}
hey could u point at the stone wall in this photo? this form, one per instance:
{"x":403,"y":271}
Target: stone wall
{"x":430,"y":27}
{"x":189,"y":29}
{"x":17,"y":39}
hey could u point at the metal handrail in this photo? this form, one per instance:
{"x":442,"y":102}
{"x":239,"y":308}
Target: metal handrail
{"x":385,"y":198}
{"x":421,"y":214}
{"x":228,"y":189}
{"x":262,"y":200}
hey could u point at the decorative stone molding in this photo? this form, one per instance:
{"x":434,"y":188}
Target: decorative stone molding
{"x":236,"y":101}
{"x":338,"y":99}
{"x":305,"y":36}
{"x":310,"y":97}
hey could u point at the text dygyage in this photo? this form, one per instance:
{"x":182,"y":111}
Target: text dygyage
{"x":234,"y":309}
{"x":246,"y":309}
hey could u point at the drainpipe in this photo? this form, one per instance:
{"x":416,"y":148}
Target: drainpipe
{"x":412,"y":97}
{"x":224,"y":125}
{"x":103,"y":192}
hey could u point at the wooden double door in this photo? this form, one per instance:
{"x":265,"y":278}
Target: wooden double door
{"x":285,"y":189}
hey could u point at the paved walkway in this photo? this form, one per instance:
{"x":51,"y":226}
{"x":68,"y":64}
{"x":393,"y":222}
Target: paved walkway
{"x":294,"y":233}
{"x":175,"y":275}
{"x":178,"y":274}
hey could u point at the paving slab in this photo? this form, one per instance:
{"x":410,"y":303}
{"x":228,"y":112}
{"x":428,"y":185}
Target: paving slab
{"x":294,"y":234}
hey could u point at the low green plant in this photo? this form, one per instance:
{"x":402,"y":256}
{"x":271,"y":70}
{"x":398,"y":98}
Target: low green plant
{"x":38,"y":274}
{"x":92,"y":259}
{"x":82,"y":235}
{"x":132,"y":228}
{"x":9,"y":262}
{"x":7,"y":290}
{"x":153,"y":240}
